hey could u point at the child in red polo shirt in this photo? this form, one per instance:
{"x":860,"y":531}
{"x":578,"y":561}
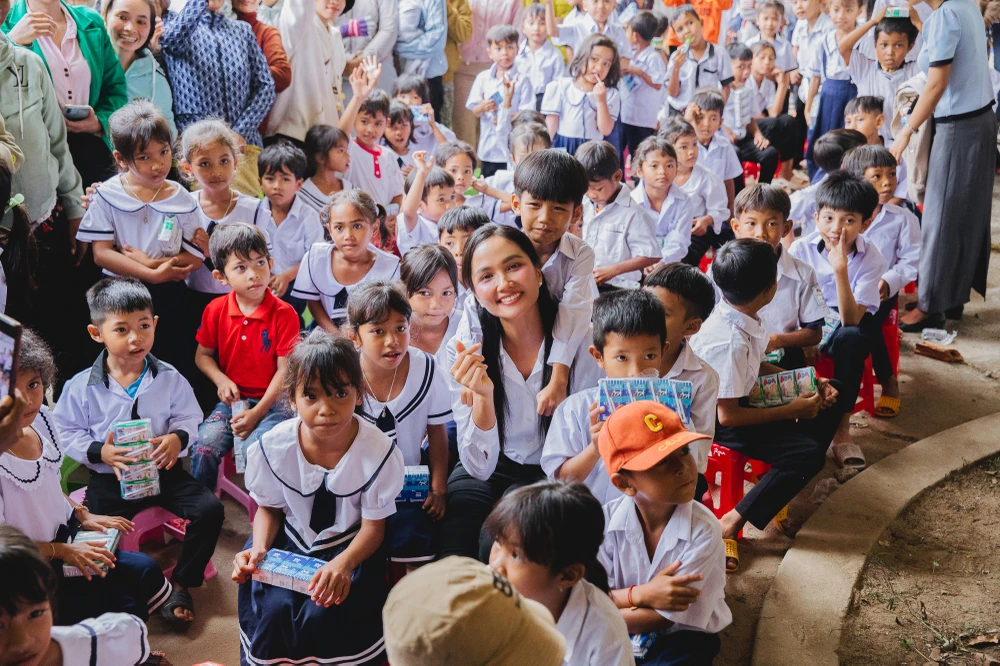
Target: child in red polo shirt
{"x":244,"y":339}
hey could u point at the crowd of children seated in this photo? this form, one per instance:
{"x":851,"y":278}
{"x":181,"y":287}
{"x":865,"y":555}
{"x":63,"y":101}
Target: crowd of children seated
{"x":391,"y":296}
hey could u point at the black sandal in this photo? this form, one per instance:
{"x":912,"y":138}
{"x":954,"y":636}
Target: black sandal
{"x":178,"y":599}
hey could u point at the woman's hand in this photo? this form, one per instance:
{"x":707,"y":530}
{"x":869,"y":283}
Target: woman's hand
{"x":11,"y":411}
{"x":89,"y":125}
{"x":32,"y":26}
{"x":898,"y":146}
{"x":154,"y":41}
{"x":469,"y":370}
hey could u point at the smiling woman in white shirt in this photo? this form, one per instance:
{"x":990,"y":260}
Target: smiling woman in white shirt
{"x":496,"y":375}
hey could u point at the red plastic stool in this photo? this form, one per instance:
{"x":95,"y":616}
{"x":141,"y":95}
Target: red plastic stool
{"x":225,"y":485}
{"x":706,"y":261}
{"x":731,"y":469}
{"x":866,"y":394}
{"x":890,"y":332}
{"x":751,"y":170}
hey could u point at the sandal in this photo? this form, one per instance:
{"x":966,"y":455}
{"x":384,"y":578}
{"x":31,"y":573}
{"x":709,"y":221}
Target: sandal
{"x":178,"y":599}
{"x":849,"y":454}
{"x":781,"y":517}
{"x":732,"y":554}
{"x":887,"y":408}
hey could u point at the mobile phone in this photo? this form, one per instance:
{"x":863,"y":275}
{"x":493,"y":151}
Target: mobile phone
{"x":76,"y":111}
{"x":10,"y":350}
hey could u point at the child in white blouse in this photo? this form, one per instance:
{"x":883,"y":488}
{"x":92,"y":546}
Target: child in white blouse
{"x":430,"y":193}
{"x":399,"y":137}
{"x":327,"y":160}
{"x":413,"y":91}
{"x":703,"y":186}
{"x":326,"y":481}
{"x":670,"y":208}
{"x":545,"y":542}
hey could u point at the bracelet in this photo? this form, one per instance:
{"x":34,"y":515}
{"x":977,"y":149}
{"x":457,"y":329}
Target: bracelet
{"x":628,"y":597}
{"x":53,"y":547}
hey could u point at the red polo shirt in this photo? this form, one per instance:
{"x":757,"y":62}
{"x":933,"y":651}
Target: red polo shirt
{"x":248,"y":347}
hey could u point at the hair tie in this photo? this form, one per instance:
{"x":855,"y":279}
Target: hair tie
{"x":15,"y":201}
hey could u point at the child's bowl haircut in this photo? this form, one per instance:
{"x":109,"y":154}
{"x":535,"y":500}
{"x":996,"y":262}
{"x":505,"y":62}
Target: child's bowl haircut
{"x":771,"y":4}
{"x":551,"y":175}
{"x":744,"y":268}
{"x":676,"y":128}
{"x":527,"y":135}
{"x":525,"y":116}
{"x":644,"y":24}
{"x":449,"y":149}
{"x":897,"y":26}
{"x":26,"y":577}
{"x":378,"y":102}
{"x":462,"y":218}
{"x":237,"y":238}
{"x":832,"y":146}
{"x":134,"y":126}
{"x":629,"y":313}
{"x":582,"y":57}
{"x":843,"y":192}
{"x":653,"y":144}
{"x":502,"y":34}
{"x":400,"y":113}
{"x":421,"y":265}
{"x":438,"y":177}
{"x":860,"y":159}
{"x":320,"y":140}
{"x":330,"y":359}
{"x":411,"y":83}
{"x":282,"y":155}
{"x":741,"y":52}
{"x":758,"y":47}
{"x":600,"y":159}
{"x":681,"y":11}
{"x":533,"y":12}
{"x":208,"y":132}
{"x":763,"y":198}
{"x":374,"y":302}
{"x":687,"y":282}
{"x":35,"y":354}
{"x":708,"y":99}
{"x":118,"y":295}
{"x":867,"y":104}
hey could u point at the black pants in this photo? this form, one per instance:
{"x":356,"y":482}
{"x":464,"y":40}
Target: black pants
{"x":766,"y":158}
{"x":181,"y":494}
{"x":91,"y":157}
{"x":796,"y":451}
{"x":683,"y":648}
{"x":849,"y":346}
{"x":487,"y":169}
{"x":436,"y":87}
{"x":634,"y":135}
{"x":470,"y":502}
{"x":783,"y":133}
{"x":700,"y":244}
{"x":881,"y":363}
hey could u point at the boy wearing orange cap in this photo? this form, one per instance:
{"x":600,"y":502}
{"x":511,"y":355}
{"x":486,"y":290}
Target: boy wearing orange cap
{"x":663,"y":551}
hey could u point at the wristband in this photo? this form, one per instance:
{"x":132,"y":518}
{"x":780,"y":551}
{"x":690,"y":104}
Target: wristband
{"x":628,"y":597}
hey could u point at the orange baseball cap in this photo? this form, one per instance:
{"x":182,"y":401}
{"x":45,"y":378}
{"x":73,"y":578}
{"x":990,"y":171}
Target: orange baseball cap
{"x":639,"y":435}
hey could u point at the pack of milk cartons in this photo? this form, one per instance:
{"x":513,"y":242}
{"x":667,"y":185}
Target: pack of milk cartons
{"x":142,"y":478}
{"x":107,"y":539}
{"x":288,"y":570}
{"x":416,"y":484}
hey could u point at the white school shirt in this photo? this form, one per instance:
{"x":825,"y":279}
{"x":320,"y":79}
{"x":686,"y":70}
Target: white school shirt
{"x":594,"y":630}
{"x":829,"y":64}
{"x":541,"y":67}
{"x":569,"y":436}
{"x":895,"y":231}
{"x":798,"y":300}
{"x":366,"y":482}
{"x":784,"y":59}
{"x":375,"y":171}
{"x":573,"y":34}
{"x":641,"y":101}
{"x":424,"y":231}
{"x":299,"y":231}
{"x":867,"y":43}
{"x":502,"y":180}
{"x":621,"y":230}
{"x":424,"y":401}
{"x":693,"y":536}
{"x":872,"y":80}
{"x":577,"y":109}
{"x":705,"y":382}
{"x":31,"y":498}
{"x":314,"y":198}
{"x":865,"y":267}
{"x":741,"y":107}
{"x":569,"y":274}
{"x":492,"y":147}
{"x":92,"y":402}
{"x":803,"y":209}
{"x":114,"y":215}
{"x":478,"y":449}
{"x":111,"y":638}
{"x":720,"y":157}
{"x":672,"y":225}
{"x":764,"y":93}
{"x":247,"y":209}
{"x":733,"y":344}
{"x":707,"y":194}
{"x":316,"y":281}
{"x":441,"y":355}
{"x":423,"y":139}
{"x":808,"y":43}
{"x":713,"y":70}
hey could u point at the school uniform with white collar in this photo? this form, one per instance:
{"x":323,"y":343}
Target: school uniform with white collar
{"x":488,"y":465}
{"x":374,"y":170}
{"x":92,"y":402}
{"x":424,"y":401}
{"x":492,"y":149}
{"x":316,"y":281}
{"x":251,"y":210}
{"x":423,"y":138}
{"x":836,"y":90}
{"x":641,"y":101}
{"x":712,"y":70}
{"x":808,"y":42}
{"x":707,"y":194}
{"x":671,"y":224}
{"x":299,"y":231}
{"x":314,"y":198}
{"x":577,"y":112}
{"x":541,"y":67}
{"x":784,"y":59}
{"x":110,"y":638}
{"x":848,"y":346}
{"x":797,"y":304}
{"x":424,"y":231}
{"x":593,"y":627}
{"x":573,"y":34}
{"x":874,"y":81}
{"x":569,"y":436}
{"x":733,"y":343}
{"x":322,"y":510}
{"x":692,"y":536}
{"x":31,"y":500}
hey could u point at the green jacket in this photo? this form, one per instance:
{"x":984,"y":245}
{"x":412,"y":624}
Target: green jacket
{"x":108,"y":92}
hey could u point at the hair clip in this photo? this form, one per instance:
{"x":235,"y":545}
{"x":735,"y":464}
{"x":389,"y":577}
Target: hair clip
{"x":15,"y":200}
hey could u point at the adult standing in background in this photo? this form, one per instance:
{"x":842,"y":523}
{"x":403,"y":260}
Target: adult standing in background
{"x":423,"y":53}
{"x":956,"y":106}
{"x":381,"y":19}
{"x":85,"y":73}
{"x":459,"y":32}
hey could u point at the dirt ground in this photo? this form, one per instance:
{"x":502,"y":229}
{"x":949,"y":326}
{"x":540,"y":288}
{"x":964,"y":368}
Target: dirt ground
{"x":931,"y":589}
{"x":935,"y":396}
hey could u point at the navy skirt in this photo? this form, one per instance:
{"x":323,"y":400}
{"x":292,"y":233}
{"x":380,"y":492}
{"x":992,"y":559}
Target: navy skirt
{"x":277,"y":624}
{"x":136,"y":585}
{"x":567,"y":143}
{"x":833,"y":99}
{"x":411,"y":534}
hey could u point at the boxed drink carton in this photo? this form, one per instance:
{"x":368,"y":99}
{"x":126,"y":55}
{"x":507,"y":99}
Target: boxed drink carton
{"x":109,"y":540}
{"x":416,"y":484}
{"x":288,"y":570}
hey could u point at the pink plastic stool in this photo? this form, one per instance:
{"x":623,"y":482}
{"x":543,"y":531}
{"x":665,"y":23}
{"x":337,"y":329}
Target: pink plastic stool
{"x":225,"y":485}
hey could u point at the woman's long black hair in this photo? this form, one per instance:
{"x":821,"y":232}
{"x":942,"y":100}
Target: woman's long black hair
{"x":18,"y":243}
{"x":548,"y":306}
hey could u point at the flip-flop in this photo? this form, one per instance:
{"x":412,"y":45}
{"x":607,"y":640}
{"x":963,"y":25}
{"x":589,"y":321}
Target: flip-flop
{"x":887,"y":408}
{"x":849,"y":454}
{"x":178,"y":599}
{"x":732,"y":553}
